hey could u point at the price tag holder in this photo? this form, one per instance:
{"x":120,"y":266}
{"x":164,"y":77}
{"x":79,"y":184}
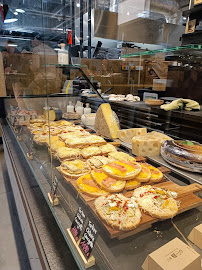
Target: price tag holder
{"x":88,"y":239}
{"x":52,"y":195}
{"x":85,"y":244}
{"x":78,"y":223}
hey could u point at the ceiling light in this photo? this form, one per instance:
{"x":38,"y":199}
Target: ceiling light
{"x":57,"y":49}
{"x":15,"y":13}
{"x":128,"y":13}
{"x":10,"y":20}
{"x":78,"y":5}
{"x":20,"y":10}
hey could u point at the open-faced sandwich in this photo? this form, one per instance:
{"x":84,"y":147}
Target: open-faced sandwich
{"x":74,"y":169}
{"x":90,"y":151}
{"x":65,"y":153}
{"x":107,"y":148}
{"x":122,"y":170}
{"x":118,"y":211}
{"x":121,"y":156}
{"x":106,"y":182}
{"x":88,"y":186}
{"x":157,"y":202}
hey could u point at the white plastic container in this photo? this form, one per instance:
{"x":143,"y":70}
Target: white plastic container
{"x":87,"y":109}
{"x":63,"y":55}
{"x":70,"y":107}
{"x":80,"y":109}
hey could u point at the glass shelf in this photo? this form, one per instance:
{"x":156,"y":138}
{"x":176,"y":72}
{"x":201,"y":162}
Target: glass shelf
{"x":188,"y":49}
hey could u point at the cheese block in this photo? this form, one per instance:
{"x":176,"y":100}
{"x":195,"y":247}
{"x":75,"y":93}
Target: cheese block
{"x":126,"y":135}
{"x":146,"y":146}
{"x":105,"y":122}
{"x":162,"y":137}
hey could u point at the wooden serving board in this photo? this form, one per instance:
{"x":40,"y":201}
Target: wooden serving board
{"x":188,"y":200}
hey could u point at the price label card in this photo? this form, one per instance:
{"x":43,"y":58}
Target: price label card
{"x":88,"y":239}
{"x":54,"y":187}
{"x":78,"y":223}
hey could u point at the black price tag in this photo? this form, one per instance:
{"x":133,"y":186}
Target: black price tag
{"x":78,"y":223}
{"x":54,"y":187}
{"x":88,"y":239}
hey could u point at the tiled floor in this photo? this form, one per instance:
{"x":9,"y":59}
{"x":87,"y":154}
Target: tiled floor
{"x":13,"y":255}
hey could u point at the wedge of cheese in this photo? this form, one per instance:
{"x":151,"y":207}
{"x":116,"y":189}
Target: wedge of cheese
{"x":146,"y":146}
{"x":126,"y":135}
{"x":105,"y":122}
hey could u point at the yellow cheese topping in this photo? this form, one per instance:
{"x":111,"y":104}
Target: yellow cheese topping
{"x":115,"y":171}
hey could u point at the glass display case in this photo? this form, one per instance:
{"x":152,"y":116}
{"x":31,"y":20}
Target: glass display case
{"x":65,"y":143}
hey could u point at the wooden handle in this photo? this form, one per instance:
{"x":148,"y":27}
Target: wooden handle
{"x":164,"y":169}
{"x":116,"y":143}
{"x":140,"y":159}
{"x":193,"y":188}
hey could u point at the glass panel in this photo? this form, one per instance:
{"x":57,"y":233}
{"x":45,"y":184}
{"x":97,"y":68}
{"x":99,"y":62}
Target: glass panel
{"x":58,"y":57}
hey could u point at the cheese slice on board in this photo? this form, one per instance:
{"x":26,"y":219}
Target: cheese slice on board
{"x":105,"y":122}
{"x":126,"y":135}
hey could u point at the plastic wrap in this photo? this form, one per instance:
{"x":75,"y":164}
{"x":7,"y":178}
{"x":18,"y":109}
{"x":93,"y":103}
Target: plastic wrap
{"x":187,"y":157}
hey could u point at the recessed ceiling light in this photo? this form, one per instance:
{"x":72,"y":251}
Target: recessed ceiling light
{"x":10,"y":20}
{"x":20,"y":10}
{"x":15,"y":13}
{"x":128,"y":13}
{"x":78,"y":5}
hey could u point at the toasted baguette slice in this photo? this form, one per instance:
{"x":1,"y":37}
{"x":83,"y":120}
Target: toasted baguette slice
{"x":118,"y":211}
{"x":88,"y":186}
{"x":144,"y":175}
{"x":74,"y":169}
{"x":157,"y":202}
{"x":106,"y":182}
{"x":122,"y":170}
{"x":156,"y":174}
{"x":121,"y":156}
{"x":132,"y":184}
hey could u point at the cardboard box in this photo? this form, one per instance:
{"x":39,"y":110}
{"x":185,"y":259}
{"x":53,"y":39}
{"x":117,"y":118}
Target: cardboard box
{"x":196,"y":236}
{"x":175,"y":255}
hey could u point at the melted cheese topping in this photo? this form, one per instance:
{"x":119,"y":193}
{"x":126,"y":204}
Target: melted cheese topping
{"x":64,"y":152}
{"x":121,"y":156}
{"x":75,"y":167}
{"x":107,"y":148}
{"x":87,"y":188}
{"x":90,"y":151}
{"x":130,"y":169}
